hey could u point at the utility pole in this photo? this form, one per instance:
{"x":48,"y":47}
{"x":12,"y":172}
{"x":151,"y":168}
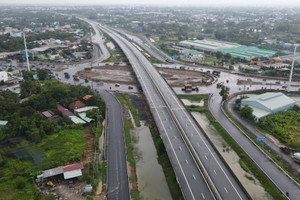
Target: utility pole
{"x":292,"y":68}
{"x":26,"y":53}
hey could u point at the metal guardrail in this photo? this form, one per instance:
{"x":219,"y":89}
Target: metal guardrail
{"x":185,"y":139}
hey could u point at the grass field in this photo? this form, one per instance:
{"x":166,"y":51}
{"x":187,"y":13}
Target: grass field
{"x":21,"y":162}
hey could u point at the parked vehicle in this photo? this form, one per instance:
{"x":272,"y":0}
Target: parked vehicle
{"x":67,"y":75}
{"x":296,"y":157}
{"x":287,"y":150}
{"x":216,"y":73}
{"x":220,"y":84}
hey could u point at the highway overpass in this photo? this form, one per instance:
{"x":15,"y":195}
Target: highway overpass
{"x":200,"y":172}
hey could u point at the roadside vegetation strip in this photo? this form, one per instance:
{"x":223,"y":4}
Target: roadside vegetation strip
{"x":125,"y":99}
{"x":245,"y":159}
{"x":164,"y":160}
{"x":275,"y":158}
{"x":134,"y":193}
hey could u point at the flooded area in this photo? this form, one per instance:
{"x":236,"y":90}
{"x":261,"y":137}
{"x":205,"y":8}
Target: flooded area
{"x":151,"y":179}
{"x":250,"y":183}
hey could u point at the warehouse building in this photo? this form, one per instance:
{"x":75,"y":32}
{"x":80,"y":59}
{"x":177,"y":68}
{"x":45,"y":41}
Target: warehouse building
{"x":234,"y":49}
{"x":268,"y":103}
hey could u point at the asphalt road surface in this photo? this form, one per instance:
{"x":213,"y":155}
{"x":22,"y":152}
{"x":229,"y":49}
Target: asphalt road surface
{"x":117,"y":177}
{"x":275,"y":174}
{"x":178,"y":128}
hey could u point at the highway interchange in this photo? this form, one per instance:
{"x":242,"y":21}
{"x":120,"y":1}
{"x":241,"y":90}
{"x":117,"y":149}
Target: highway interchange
{"x":189,"y":151}
{"x":167,"y":107}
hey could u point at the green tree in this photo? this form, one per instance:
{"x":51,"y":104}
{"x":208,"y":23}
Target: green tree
{"x":20,"y":182}
{"x":246,"y":112}
{"x":224,"y":92}
{"x":27,"y":75}
{"x":227,"y":56}
{"x":19,"y":58}
{"x":89,"y":198}
{"x":42,"y":74}
{"x":29,"y":87}
{"x":219,"y":55}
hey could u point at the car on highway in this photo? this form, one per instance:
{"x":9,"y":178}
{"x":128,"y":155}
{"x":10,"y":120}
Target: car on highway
{"x":130,"y":87}
{"x":117,"y":85}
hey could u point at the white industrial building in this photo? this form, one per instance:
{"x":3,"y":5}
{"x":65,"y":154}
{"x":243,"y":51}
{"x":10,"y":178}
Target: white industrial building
{"x":3,"y":76}
{"x":268,"y":103}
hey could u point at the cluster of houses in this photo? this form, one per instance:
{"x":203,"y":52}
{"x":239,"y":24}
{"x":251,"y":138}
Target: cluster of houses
{"x":76,"y":111}
{"x":13,"y":32}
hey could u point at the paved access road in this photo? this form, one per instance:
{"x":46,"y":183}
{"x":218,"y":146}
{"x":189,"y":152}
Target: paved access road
{"x":186,"y":145}
{"x":279,"y":178}
{"x":117,"y":177}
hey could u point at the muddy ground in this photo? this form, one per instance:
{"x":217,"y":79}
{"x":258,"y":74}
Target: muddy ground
{"x":125,"y":75}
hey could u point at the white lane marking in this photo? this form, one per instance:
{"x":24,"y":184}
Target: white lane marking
{"x":180,"y":148}
{"x":186,"y":161}
{"x":203,"y":196}
{"x":198,"y":145}
{"x":225,"y":189}
{"x":206,"y":157}
{"x":175,"y":137}
{"x":193,"y":124}
{"x":215,"y":172}
{"x":194,"y":176}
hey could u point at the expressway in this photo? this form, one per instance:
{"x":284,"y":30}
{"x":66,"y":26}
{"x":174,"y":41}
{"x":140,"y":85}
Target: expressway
{"x":200,"y":171}
{"x":117,"y":177}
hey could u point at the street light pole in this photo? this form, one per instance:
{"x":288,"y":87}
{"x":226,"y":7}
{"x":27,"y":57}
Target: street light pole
{"x":292,"y":68}
{"x":26,"y":53}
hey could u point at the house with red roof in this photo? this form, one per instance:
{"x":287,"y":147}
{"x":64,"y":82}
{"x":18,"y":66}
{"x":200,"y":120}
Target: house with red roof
{"x":86,"y":97}
{"x":64,"y":111}
{"x":76,"y":104}
{"x":72,"y":171}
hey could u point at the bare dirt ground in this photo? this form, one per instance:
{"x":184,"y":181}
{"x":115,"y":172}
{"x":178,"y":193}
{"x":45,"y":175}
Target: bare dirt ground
{"x":125,"y":75}
{"x":59,"y":69}
{"x":120,"y":74}
{"x":177,"y":77}
{"x":88,"y":153}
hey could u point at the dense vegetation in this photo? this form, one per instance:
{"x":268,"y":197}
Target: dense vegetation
{"x":284,"y":125}
{"x":25,"y":118}
{"x":31,"y":143}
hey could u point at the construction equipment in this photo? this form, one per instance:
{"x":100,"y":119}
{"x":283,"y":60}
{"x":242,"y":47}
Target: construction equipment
{"x":50,"y":183}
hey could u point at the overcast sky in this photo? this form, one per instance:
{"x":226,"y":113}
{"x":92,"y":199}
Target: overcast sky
{"x":288,"y":3}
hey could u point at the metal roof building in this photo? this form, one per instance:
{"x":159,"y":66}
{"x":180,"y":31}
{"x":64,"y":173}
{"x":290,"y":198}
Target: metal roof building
{"x":236,"y":50}
{"x":208,"y":44}
{"x":268,"y":103}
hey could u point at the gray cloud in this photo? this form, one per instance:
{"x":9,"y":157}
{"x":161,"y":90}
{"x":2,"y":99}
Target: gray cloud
{"x":287,"y":3}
